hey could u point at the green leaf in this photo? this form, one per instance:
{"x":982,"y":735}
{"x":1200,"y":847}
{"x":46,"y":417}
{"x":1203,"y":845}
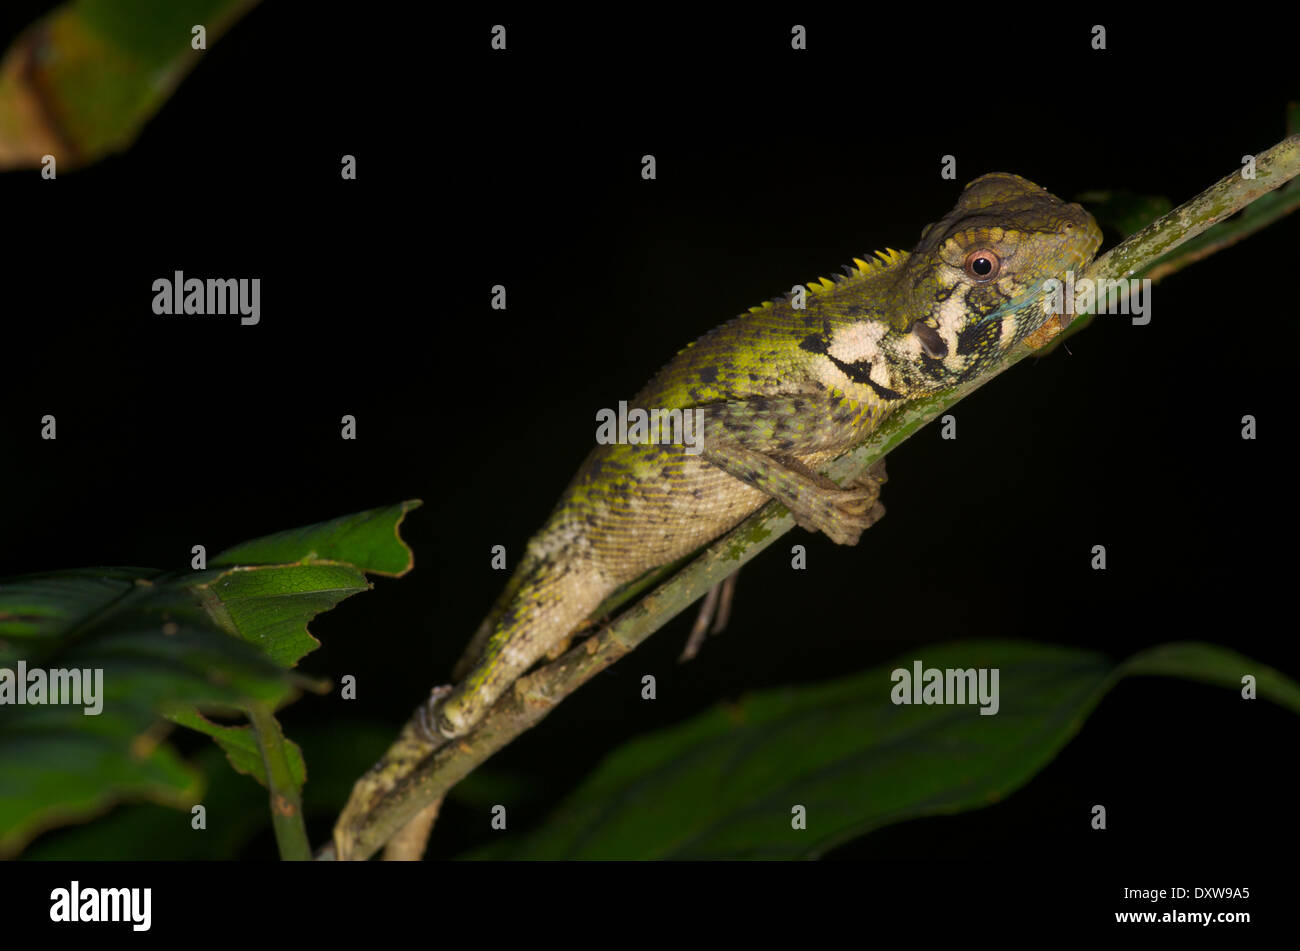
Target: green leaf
{"x":140,"y":641}
{"x":58,"y":775}
{"x":165,"y":647}
{"x":722,"y":785}
{"x":368,"y":540}
{"x":241,"y":746}
{"x":145,"y":629}
{"x":271,"y":605}
{"x":1211,"y":664}
{"x":280,"y":582}
{"x":149,"y":830}
{"x":236,"y":808}
{"x":82,"y":82}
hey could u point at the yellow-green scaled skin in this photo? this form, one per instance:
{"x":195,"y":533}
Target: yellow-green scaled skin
{"x":784,"y":389}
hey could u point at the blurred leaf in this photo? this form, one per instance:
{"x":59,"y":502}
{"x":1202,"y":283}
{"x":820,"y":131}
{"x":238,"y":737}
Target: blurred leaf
{"x":1211,"y":664}
{"x":154,"y":645}
{"x":81,"y":83}
{"x":164,"y":647}
{"x":722,"y":785}
{"x":236,"y":808}
{"x":50,"y":779}
{"x":1124,"y":212}
{"x":488,"y":785}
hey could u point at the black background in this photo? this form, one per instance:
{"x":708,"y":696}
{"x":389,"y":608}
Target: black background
{"x":774,"y":167}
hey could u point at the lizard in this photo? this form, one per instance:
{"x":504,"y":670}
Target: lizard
{"x":782,"y":389}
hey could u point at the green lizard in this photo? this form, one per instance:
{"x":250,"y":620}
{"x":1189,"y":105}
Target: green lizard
{"x":783,"y":389}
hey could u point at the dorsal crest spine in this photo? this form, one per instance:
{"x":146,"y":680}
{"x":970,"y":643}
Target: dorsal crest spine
{"x":875,"y":262}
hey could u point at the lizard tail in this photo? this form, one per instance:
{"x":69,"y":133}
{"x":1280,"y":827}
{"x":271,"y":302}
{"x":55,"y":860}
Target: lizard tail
{"x":543,"y":602}
{"x":541,"y":606}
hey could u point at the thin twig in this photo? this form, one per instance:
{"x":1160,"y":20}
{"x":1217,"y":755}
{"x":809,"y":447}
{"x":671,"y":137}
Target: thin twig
{"x":286,"y":797}
{"x":412,"y":839}
{"x":700,"y":629}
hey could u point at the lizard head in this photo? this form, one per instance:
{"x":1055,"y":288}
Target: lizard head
{"x":975,"y":283}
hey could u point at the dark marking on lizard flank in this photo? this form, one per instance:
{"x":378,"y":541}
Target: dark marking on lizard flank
{"x":708,"y":374}
{"x":818,"y":343}
{"x":814,"y":343}
{"x":782,"y":438}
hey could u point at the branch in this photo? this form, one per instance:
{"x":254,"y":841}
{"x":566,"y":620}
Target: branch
{"x":425,"y":776}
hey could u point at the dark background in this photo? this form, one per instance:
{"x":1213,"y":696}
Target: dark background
{"x":774,"y":168}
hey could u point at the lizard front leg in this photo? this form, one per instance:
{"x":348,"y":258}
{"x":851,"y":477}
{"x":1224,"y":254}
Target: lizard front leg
{"x":759,"y":441}
{"x":843,"y":513}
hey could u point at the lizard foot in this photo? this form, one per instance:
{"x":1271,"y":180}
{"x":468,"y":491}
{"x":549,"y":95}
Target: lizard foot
{"x":843,"y":514}
{"x":586,"y":629}
{"x":557,"y":650}
{"x":843,"y":521}
{"x":426,"y":715}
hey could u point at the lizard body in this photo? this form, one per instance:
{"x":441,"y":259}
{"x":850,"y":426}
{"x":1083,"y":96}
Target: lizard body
{"x":783,"y":389}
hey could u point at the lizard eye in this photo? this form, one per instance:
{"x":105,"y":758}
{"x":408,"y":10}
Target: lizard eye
{"x":982,"y":265}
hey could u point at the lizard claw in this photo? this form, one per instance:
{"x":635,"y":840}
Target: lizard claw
{"x":845,"y":523}
{"x":843,"y":514}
